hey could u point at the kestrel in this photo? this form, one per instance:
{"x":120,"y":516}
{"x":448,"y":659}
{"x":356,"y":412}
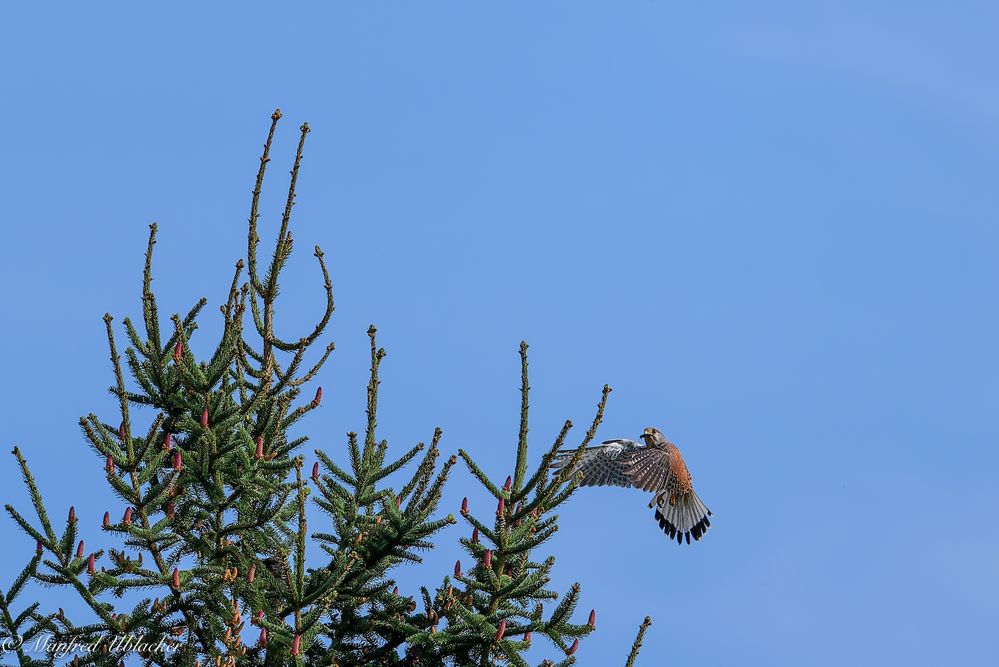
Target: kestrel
{"x":658,"y":467}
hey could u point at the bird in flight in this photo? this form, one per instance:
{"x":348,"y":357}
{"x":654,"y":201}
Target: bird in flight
{"x":655,"y":466}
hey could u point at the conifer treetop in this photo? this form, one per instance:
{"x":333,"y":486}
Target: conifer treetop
{"x":207,"y":545}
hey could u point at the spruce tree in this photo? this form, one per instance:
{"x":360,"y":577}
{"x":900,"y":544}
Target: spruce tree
{"x":213,"y":518}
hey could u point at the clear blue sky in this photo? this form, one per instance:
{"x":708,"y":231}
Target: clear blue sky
{"x":770,"y":226}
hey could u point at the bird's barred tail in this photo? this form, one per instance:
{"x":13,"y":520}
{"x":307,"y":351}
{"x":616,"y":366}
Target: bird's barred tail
{"x":686,"y":517}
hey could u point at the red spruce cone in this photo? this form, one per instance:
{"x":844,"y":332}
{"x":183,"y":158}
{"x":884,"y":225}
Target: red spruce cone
{"x":107,"y":519}
{"x":464,"y":505}
{"x":501,"y":630}
{"x":175,"y":581}
{"x":593,"y":619}
{"x":487,"y":559}
{"x":79,"y":549}
{"x":91,"y":567}
{"x":572,"y":649}
{"x":178,"y":351}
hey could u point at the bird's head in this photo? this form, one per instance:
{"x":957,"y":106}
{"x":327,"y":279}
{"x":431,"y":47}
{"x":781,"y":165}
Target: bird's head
{"x":653,"y":437}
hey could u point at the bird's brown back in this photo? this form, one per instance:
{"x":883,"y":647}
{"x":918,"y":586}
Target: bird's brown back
{"x":679,"y":477}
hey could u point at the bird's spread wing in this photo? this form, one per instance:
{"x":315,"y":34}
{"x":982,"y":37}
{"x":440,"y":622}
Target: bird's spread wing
{"x":647,"y":468}
{"x":657,"y":469}
{"x":600,"y":465}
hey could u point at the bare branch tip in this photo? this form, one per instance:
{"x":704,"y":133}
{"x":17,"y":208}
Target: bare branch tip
{"x":276,"y":115}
